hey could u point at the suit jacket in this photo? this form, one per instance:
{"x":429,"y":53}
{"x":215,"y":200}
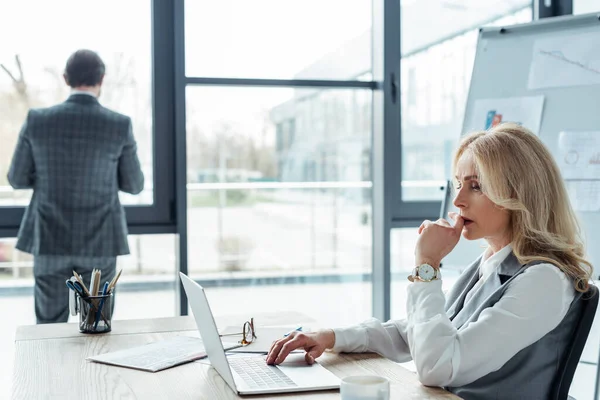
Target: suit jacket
{"x":76,"y":156}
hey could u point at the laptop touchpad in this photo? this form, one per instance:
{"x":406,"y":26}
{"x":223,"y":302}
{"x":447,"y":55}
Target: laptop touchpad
{"x":294,"y":360}
{"x":303,"y":374}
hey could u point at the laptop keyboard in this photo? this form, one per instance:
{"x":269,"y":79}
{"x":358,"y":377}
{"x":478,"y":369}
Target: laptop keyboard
{"x":258,"y":375}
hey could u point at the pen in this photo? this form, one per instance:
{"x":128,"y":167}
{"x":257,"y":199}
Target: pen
{"x":298,"y":329}
{"x":72,"y":297}
{"x":70,"y":285}
{"x":104,"y":292}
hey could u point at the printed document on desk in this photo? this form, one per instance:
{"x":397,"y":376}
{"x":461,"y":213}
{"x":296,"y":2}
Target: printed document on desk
{"x":159,"y":355}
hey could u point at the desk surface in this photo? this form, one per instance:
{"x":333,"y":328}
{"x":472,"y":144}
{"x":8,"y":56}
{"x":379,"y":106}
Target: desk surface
{"x":50,"y":363}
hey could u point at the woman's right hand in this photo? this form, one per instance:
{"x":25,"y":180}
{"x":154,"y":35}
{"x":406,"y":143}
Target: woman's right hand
{"x":314,"y":343}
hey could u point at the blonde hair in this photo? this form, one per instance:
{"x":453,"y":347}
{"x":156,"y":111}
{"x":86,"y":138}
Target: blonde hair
{"x":517,"y":172}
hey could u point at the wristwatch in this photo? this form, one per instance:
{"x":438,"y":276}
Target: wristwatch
{"x":425,"y":273}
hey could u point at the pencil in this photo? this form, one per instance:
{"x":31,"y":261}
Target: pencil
{"x":78,"y":277}
{"x":114,"y":281}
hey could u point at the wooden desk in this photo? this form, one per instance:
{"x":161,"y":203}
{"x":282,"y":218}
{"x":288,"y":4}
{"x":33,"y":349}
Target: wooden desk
{"x":50,"y":364}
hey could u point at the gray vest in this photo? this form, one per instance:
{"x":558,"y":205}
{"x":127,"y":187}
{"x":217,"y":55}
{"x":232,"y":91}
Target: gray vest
{"x":530,"y":373}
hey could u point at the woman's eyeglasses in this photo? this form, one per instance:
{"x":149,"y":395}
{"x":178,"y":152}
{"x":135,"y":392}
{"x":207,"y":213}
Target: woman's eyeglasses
{"x":248,"y":333}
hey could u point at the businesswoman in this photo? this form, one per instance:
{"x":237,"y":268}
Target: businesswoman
{"x":502,"y":330}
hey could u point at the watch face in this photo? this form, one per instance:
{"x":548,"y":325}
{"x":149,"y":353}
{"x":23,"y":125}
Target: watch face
{"x":426,"y":272}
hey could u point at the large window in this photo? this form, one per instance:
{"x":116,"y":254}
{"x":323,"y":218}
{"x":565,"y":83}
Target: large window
{"x":278,"y":181}
{"x":279,"y":171}
{"x":279,"y":187}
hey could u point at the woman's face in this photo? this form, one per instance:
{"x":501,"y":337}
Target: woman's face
{"x":483,"y":218}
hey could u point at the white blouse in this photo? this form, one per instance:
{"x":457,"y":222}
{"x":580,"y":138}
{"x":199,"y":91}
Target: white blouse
{"x":534,"y":303}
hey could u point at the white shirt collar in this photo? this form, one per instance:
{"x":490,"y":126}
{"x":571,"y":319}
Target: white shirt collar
{"x":74,"y":91}
{"x":489,"y":265}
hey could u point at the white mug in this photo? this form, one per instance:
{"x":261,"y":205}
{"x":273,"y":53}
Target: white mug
{"x":365,"y":387}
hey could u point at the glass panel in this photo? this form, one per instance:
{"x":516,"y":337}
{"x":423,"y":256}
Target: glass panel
{"x":279,"y":197}
{"x":149,"y":279}
{"x":585,"y":6}
{"x":124,"y":47}
{"x":146,"y":289}
{"x":583,"y":384}
{"x":435,"y":84}
{"x":312,"y":39}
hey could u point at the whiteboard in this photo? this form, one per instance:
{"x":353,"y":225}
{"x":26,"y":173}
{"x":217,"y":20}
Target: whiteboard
{"x":521,"y":61}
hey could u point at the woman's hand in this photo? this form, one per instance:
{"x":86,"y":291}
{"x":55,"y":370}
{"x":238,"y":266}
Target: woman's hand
{"x":314,"y":343}
{"x":437,"y":239}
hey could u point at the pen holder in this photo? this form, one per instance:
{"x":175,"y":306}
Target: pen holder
{"x":95,"y":313}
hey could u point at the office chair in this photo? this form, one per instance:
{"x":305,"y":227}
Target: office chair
{"x":566,"y":371}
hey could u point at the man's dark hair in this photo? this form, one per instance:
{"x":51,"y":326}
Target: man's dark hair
{"x":84,"y":68}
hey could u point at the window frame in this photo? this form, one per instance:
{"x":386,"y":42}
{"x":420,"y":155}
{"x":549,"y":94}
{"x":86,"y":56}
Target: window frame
{"x":554,"y":8}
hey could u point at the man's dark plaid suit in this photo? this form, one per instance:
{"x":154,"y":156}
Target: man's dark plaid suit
{"x":76,"y":156}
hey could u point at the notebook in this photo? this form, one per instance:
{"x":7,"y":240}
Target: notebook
{"x":160,"y":355}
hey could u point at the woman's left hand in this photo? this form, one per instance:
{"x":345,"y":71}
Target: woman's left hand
{"x":437,"y":239}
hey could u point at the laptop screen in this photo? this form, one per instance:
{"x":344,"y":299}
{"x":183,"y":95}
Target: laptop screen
{"x":208,"y":329}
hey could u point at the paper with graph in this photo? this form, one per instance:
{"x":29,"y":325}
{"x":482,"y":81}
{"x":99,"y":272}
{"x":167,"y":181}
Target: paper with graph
{"x":579,"y":155}
{"x":487,"y":113}
{"x":572,"y":60}
{"x":579,"y":162}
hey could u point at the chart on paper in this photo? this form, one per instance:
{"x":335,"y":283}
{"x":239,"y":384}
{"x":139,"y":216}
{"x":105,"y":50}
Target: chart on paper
{"x":487,"y":113}
{"x":579,"y":163}
{"x":565,"y":61}
{"x":579,"y":155}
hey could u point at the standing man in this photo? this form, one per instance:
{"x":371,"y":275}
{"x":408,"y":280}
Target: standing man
{"x":76,"y":156}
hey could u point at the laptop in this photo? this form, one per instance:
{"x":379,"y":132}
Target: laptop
{"x":251,"y":375}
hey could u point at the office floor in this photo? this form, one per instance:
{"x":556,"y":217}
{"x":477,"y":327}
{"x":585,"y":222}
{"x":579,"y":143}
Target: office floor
{"x":345,"y":304}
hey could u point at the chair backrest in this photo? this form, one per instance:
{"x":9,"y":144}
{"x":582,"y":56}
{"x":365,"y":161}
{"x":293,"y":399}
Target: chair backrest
{"x":566,"y":371}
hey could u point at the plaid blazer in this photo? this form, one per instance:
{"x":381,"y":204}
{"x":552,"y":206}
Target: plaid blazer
{"x":76,"y":156}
